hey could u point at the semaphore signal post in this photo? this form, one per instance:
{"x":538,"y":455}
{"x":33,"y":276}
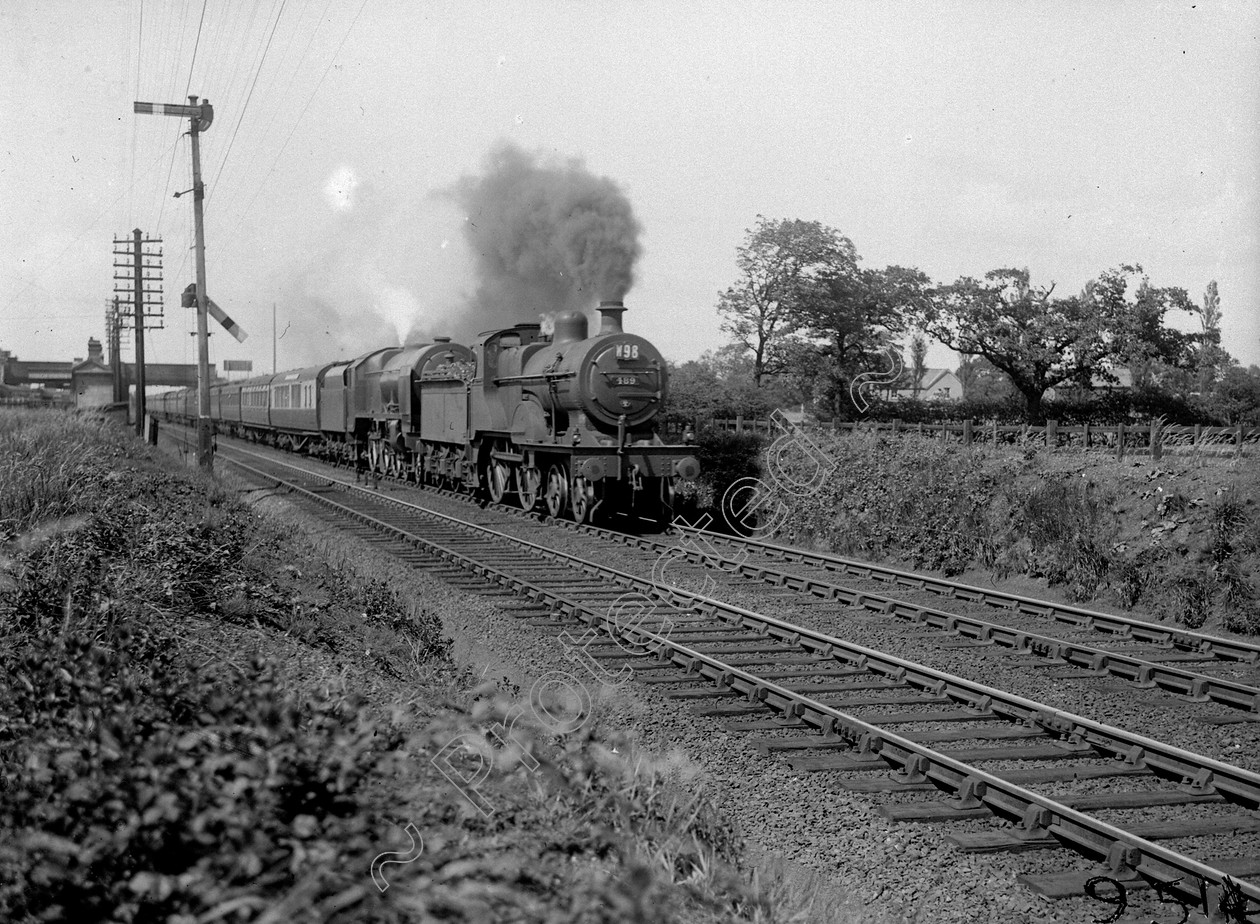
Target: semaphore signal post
{"x":199,"y":118}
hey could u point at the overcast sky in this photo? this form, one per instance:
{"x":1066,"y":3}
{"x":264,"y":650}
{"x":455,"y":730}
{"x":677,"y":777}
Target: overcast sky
{"x":957,"y":137}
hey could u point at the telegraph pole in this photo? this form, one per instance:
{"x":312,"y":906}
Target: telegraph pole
{"x":139,"y":306}
{"x":112,"y":326}
{"x":205,"y":444}
{"x":199,"y":118}
{"x":142,"y":267}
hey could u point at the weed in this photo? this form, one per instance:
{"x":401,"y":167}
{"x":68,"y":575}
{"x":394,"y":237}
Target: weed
{"x":1173,"y":502}
{"x":1245,"y":619}
{"x":1132,"y":575}
{"x":1189,"y":599}
{"x":1087,"y":569}
{"x":1226,"y":516}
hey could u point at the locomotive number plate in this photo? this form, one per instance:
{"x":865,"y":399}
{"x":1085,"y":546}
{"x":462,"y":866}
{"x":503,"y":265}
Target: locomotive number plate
{"x":627,"y":351}
{"x":625,"y":380}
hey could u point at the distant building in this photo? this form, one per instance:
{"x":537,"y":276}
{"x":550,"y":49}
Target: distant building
{"x":797,"y":415}
{"x":1124,"y":382}
{"x":935,"y":385}
{"x":91,"y":379}
{"x":61,"y":374}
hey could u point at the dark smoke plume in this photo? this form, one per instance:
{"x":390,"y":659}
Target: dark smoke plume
{"x":545,"y":236}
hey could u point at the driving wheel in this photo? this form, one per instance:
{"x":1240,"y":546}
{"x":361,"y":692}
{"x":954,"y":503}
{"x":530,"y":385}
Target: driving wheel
{"x":557,"y":495}
{"x":528,"y":483}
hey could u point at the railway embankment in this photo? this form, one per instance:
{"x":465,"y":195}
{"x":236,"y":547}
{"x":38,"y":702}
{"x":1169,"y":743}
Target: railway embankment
{"x":208,"y":714}
{"x":1175,"y":539}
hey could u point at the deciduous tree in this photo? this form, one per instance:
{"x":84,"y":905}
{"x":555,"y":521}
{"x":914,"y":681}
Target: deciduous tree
{"x":1038,"y":341}
{"x":1213,"y":360}
{"x":719,"y":385}
{"x":1041,"y":342}
{"x":780,"y":263}
{"x":1236,"y":397}
{"x":1153,"y":351}
{"x":983,"y":381}
{"x":918,"y":364}
{"x":850,"y":321}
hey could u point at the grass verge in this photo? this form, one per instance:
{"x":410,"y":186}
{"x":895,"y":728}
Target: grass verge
{"x":1178,"y":541}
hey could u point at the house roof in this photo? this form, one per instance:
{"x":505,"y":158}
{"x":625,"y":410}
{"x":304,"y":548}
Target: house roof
{"x":90,"y":365}
{"x":930,"y":378}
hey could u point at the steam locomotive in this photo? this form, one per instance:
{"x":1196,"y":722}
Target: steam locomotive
{"x":561,"y":422}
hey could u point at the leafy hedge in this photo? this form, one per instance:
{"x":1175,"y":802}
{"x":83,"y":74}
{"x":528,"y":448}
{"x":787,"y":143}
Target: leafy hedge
{"x":1104,"y":408}
{"x":951,"y":508}
{"x":724,"y":458}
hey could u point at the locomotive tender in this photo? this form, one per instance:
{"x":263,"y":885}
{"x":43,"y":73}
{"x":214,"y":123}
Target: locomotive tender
{"x":563,"y":421}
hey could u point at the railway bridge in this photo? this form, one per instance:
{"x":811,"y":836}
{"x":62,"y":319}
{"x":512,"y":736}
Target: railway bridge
{"x":93,"y":381}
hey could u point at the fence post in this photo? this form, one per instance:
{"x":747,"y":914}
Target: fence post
{"x":920,"y":429}
{"x":993,"y":427}
{"x":739,"y":423}
{"x":1238,"y":440}
{"x":1052,"y":435}
{"x":1119,"y":442}
{"x":896,"y":425}
{"x":1157,"y":444}
{"x":967,"y":432}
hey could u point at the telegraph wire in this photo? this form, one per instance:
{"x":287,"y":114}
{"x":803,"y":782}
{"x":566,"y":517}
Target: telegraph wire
{"x":229,"y":90}
{"x":288,"y":87}
{"x":196,"y":45}
{"x":228,"y":94}
{"x":37,"y":273}
{"x":309,"y":100}
{"x":177,"y":30}
{"x":187,"y":87}
{"x":250,"y":96}
{"x":135,"y":127}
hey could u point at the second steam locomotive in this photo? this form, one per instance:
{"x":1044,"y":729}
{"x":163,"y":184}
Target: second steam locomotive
{"x":563,"y":421}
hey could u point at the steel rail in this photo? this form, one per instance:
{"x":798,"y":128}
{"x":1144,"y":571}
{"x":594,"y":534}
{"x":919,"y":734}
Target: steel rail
{"x":1124,"y":625}
{"x":1192,"y":684}
{"x":1040,"y":817}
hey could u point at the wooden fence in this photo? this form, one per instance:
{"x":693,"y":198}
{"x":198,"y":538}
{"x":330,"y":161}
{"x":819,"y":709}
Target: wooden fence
{"x":35,"y":401}
{"x":1154,"y":439}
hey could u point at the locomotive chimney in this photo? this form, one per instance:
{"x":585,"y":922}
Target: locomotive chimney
{"x":610,"y":313}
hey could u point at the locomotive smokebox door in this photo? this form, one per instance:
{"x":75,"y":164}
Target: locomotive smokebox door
{"x":624,"y":378}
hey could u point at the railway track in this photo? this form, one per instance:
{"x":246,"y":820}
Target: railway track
{"x":868,"y":721}
{"x":1147,"y":655}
